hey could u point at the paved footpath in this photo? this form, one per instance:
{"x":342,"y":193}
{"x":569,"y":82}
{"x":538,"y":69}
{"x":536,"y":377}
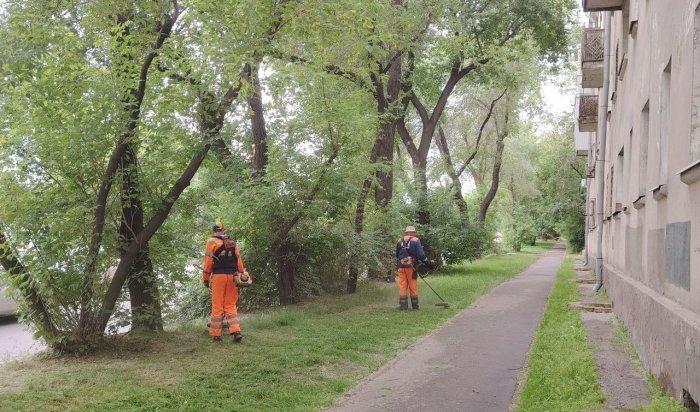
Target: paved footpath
{"x":470,"y":363}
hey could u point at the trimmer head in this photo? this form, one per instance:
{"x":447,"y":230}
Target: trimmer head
{"x":443,"y":304}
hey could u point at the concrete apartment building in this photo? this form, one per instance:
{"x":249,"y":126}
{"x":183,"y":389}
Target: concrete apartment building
{"x":644,"y":225}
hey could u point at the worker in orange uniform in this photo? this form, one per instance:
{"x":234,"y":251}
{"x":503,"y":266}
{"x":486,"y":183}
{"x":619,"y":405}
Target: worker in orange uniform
{"x":409,"y":250}
{"x":222,"y":263}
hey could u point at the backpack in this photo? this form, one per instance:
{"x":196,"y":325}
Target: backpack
{"x":405,"y":258}
{"x":225,"y":259}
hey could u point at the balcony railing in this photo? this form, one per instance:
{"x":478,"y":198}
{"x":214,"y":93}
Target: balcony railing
{"x":602,"y":5}
{"x":592,"y":59}
{"x":588,"y":113}
{"x":592,"y":45}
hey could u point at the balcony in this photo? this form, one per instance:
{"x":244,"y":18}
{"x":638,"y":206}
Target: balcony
{"x":588,"y":113}
{"x":581,"y":144}
{"x":582,"y":141}
{"x":592,"y":59}
{"x":602,"y":5}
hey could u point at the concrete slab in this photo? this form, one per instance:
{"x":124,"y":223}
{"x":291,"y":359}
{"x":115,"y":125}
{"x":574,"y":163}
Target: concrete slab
{"x":472,"y":362}
{"x":622,"y":382}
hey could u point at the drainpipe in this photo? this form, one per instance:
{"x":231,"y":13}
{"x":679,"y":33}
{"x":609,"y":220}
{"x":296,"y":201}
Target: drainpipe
{"x":586,"y":241}
{"x":600,"y":162}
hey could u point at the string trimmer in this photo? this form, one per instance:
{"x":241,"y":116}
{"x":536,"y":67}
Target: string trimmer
{"x":441,"y":304}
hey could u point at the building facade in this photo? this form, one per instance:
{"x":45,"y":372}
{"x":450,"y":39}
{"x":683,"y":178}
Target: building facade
{"x":651,"y":173}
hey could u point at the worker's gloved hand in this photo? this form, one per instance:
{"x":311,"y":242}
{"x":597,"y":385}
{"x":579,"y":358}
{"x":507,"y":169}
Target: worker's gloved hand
{"x":206,"y":284}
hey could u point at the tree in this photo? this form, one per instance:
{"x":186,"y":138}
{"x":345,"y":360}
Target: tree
{"x":109,"y":53}
{"x":476,"y":37}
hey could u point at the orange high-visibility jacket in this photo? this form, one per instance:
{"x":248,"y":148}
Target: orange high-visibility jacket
{"x":213,"y":244}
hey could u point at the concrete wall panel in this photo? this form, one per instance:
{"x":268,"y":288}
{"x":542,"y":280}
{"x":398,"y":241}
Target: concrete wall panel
{"x":634,"y":252}
{"x":656,"y":259}
{"x":665,"y":334}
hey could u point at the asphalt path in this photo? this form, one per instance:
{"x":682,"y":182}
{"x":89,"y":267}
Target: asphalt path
{"x":16,"y":340}
{"x":472,"y":362}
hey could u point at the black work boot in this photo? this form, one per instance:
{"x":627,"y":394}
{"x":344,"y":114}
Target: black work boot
{"x":403,"y":303}
{"x":236,"y":337}
{"x":414,"y":302}
{"x":216,"y":338}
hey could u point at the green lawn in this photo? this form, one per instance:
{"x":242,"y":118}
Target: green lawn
{"x":539,"y":246}
{"x":298,"y":358}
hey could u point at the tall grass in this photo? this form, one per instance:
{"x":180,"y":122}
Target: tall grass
{"x":294,"y":358}
{"x":562,"y":373}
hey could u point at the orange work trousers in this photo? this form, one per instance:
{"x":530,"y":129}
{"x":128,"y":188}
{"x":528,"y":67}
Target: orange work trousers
{"x":224,"y":298}
{"x":406,"y":281}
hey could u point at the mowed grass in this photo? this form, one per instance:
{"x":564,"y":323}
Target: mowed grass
{"x":540,"y":246}
{"x":562,"y":373}
{"x":293,"y":359}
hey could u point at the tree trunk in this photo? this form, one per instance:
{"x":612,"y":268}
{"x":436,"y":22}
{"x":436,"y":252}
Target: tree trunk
{"x":387,"y":105}
{"x":456,"y":182}
{"x":451,"y":170}
{"x":257,"y":123}
{"x":285,"y":255}
{"x":211,"y":119}
{"x":134,"y":248}
{"x":22,"y":279}
{"x":429,"y":122}
{"x":132,"y":101}
{"x":355,"y":269}
{"x":496,"y":175}
{"x":421,"y":178}
{"x":419,"y":160}
{"x":143,"y":287}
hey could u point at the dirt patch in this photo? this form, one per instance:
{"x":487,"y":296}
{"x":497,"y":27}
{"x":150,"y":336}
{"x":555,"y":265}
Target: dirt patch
{"x":520,"y":379}
{"x":13,"y":378}
{"x":342,"y":370}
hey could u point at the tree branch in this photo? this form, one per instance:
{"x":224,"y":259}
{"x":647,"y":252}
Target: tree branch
{"x":456,"y":183}
{"x":420,"y":108}
{"x":406,"y":138}
{"x":329,"y":68}
{"x":23,"y":281}
{"x":481,"y":133}
{"x":310,"y":196}
{"x":495,"y":176}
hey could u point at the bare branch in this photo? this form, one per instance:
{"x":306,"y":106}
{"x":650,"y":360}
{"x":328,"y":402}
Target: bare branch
{"x":481,"y":133}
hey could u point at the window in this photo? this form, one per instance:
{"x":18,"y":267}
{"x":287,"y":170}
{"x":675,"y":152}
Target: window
{"x":619,"y":180}
{"x":665,"y":124}
{"x":643,"y":149}
{"x":695,"y":107}
{"x":610,"y":192}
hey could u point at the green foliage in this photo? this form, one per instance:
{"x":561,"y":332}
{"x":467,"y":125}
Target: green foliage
{"x":70,"y":80}
{"x":549,"y":203}
{"x":468,"y":242}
